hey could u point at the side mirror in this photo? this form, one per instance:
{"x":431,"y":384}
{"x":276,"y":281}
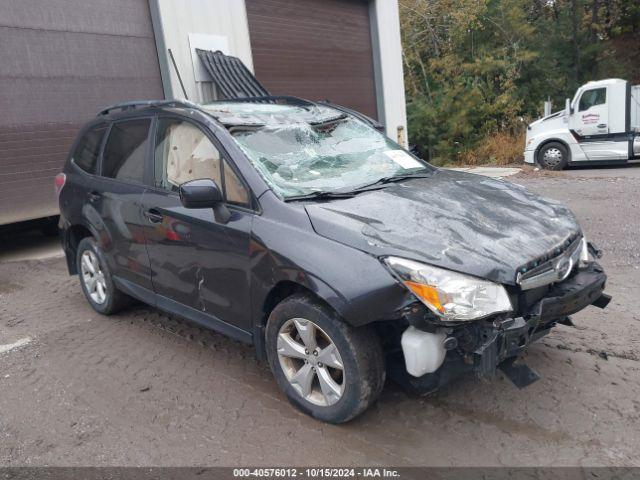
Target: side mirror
{"x":567,"y":107}
{"x":204,"y":193}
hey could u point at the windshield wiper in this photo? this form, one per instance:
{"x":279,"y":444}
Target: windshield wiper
{"x":321,"y":196}
{"x":393,"y":179}
{"x":363,"y":188}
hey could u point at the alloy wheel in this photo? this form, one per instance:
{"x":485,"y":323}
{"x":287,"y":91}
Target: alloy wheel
{"x":93,"y":277}
{"x":311,"y":362}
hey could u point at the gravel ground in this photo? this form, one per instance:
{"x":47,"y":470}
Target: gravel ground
{"x":141,"y":388}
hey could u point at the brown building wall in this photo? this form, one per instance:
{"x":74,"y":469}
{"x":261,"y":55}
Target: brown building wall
{"x":315,"y":49}
{"x":61,"y":61}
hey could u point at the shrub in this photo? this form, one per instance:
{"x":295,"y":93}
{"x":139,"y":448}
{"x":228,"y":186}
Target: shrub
{"x":499,"y":148}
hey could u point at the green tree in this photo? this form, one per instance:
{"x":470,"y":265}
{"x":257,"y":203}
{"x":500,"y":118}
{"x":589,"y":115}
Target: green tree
{"x":476,"y":69}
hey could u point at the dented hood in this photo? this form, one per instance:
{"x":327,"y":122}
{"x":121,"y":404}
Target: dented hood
{"x":469,"y":223}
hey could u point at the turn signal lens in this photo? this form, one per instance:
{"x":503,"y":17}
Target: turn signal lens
{"x":427,"y":294}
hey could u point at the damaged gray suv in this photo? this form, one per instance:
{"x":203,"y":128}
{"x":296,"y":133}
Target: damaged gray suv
{"x":299,"y":228}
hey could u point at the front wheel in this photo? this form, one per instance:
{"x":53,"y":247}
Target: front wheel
{"x":328,"y":369}
{"x":553,"y":156}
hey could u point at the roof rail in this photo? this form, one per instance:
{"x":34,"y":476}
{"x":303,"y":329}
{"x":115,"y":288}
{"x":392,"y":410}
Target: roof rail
{"x":147,"y":103}
{"x":278,"y":99}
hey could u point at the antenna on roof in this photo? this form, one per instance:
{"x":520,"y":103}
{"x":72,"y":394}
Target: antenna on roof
{"x":175,"y":66}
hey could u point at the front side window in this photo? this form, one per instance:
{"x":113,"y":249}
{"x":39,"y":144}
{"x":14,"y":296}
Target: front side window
{"x":301,"y":159}
{"x":125,"y":151}
{"x":86,"y":153}
{"x":591,"y":98}
{"x":234,"y":189}
{"x":184,"y":153}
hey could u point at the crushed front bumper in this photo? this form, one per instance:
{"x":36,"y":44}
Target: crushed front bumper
{"x":485,"y":347}
{"x":509,"y":338}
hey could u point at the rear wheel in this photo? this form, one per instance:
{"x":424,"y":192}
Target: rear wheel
{"x":553,"y":156}
{"x":328,"y":369}
{"x":96,"y":281}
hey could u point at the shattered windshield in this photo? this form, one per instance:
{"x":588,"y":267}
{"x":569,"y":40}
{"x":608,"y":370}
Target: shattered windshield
{"x":302,"y":159}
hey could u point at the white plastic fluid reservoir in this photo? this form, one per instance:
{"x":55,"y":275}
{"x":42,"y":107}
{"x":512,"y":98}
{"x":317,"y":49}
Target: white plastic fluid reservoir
{"x":423,"y":351}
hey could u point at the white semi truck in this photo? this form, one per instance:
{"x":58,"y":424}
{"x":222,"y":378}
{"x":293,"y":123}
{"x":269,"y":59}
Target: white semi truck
{"x":600,"y":125}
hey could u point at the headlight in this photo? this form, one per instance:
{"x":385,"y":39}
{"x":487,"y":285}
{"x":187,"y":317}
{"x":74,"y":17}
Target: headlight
{"x":450,"y":295}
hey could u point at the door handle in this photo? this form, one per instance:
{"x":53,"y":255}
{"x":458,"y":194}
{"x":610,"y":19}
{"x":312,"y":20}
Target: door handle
{"x":94,"y":196}
{"x":153,"y":215}
{"x":602,"y":125}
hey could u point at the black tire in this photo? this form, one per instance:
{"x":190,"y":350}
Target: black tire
{"x":359,"y":348}
{"x":553,"y":156}
{"x":115,"y":299}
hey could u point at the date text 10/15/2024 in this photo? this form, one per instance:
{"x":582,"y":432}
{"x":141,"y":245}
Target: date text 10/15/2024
{"x":304,"y":473}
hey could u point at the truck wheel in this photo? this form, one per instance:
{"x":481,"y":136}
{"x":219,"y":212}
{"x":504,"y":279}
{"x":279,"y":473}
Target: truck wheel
{"x":553,"y":156}
{"x":327,"y":369}
{"x":96,"y":281}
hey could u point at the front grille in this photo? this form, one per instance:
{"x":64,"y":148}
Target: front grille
{"x":552,"y":267}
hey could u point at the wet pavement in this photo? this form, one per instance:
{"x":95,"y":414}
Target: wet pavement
{"x":141,"y":388}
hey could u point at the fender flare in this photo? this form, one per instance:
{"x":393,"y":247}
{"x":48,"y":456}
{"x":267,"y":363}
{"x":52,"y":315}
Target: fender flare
{"x":305,"y":282}
{"x":85,"y":223}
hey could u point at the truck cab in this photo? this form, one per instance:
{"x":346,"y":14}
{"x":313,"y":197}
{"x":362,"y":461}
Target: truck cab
{"x":601,"y":124}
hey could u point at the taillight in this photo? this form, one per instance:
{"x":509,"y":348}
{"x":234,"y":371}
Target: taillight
{"x":59,"y":182}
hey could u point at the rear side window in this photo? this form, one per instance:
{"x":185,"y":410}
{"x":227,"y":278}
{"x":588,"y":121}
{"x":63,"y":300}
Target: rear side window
{"x":86,"y":153}
{"x":591,"y":98}
{"x":126,"y":149}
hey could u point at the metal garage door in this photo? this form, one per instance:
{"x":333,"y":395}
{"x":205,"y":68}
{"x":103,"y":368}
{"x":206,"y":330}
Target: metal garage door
{"x":60,"y":62}
{"x":315,"y":49}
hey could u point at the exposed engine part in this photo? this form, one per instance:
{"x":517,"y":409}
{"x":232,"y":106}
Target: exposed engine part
{"x":450,"y":343}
